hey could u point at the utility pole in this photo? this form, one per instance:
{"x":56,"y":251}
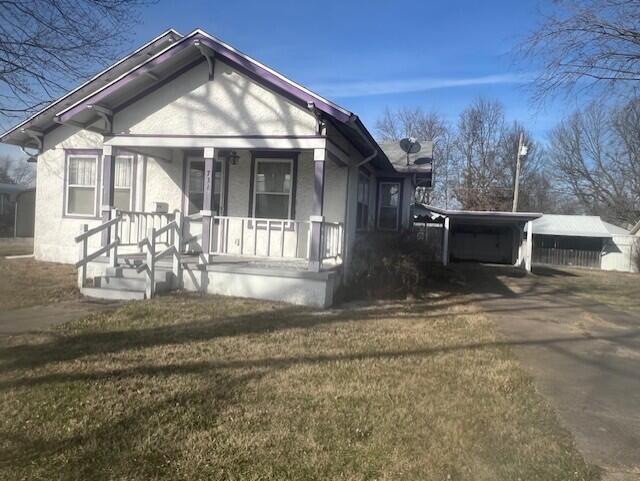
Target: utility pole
{"x":516,"y":190}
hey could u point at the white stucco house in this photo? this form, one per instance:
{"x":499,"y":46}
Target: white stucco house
{"x":189,"y":164}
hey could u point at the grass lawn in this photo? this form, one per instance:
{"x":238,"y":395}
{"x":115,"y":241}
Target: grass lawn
{"x":620,"y":290}
{"x":190,"y":388}
{"x":26,"y":282}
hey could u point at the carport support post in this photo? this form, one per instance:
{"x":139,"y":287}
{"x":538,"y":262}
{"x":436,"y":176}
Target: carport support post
{"x":445,"y":241}
{"x":207,"y":204}
{"x":108,"y":166}
{"x":529,"y":249}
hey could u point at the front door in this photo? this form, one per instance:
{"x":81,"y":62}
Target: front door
{"x":194,"y":199}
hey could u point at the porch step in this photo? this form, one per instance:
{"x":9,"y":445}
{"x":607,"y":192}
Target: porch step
{"x":112,"y":294}
{"x":125,"y":283}
{"x":161,"y":275}
{"x":132,"y":283}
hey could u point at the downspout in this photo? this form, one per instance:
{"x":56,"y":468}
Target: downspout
{"x":374,"y":152}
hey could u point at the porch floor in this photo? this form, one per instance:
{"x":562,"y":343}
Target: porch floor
{"x":233,"y":263}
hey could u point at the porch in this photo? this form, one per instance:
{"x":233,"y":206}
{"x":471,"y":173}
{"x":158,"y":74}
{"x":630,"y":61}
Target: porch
{"x":199,"y":246}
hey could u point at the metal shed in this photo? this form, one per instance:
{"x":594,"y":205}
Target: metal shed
{"x":582,"y":241}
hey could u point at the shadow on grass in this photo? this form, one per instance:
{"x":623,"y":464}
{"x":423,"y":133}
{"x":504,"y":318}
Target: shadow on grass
{"x":119,"y":449}
{"x":126,"y":447}
{"x":472,"y":284}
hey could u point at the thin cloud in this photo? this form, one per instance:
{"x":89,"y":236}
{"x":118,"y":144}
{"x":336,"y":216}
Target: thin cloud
{"x":385,"y":87}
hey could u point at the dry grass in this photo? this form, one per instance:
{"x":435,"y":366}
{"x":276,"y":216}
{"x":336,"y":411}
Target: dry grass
{"x":188,"y":387}
{"x":620,"y":290}
{"x":26,"y":282}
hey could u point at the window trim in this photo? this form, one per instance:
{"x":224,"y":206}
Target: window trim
{"x":97,"y":154}
{"x":400,"y":184}
{"x":254,"y":181}
{"x":132,"y":177}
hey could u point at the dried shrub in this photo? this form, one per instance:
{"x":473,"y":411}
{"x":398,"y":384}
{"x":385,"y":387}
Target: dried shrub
{"x":390,"y":265}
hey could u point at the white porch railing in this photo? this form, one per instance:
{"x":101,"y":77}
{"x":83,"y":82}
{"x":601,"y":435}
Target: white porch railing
{"x":331,"y":242}
{"x":171,"y":233}
{"x":274,"y":238}
{"x":134,"y":226}
{"x":268,"y":238}
{"x":234,"y":236}
{"x":84,"y":257}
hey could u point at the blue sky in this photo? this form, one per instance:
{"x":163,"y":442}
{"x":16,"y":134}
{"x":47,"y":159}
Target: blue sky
{"x":368,"y":55}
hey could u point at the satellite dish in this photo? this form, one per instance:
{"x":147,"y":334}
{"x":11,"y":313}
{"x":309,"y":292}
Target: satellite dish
{"x":422,"y":161}
{"x":410,"y":145}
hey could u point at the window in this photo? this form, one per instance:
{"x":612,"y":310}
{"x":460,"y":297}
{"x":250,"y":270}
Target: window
{"x":272,"y":189}
{"x":122,"y":182}
{"x":195,"y":187}
{"x":362,"y":219}
{"x":81,"y":185}
{"x":388,"y":205}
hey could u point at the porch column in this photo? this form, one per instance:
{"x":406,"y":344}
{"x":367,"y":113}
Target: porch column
{"x":108,"y":167}
{"x":445,"y":241}
{"x":529,"y":249}
{"x":315,"y":256}
{"x":207,"y":212}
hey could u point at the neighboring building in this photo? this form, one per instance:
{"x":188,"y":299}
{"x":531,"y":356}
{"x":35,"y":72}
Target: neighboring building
{"x":263,"y":184}
{"x":582,"y":241}
{"x":25,"y":213}
{"x":17,"y":209}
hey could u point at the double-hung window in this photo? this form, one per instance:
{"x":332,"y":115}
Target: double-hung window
{"x":195,"y":187}
{"x":272,"y":188}
{"x":122,"y":178}
{"x":362,"y":219}
{"x":388,"y":205}
{"x":82,"y":185}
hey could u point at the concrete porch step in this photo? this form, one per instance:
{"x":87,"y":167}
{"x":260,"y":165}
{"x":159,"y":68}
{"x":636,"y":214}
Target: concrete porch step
{"x":161,"y":275}
{"x":112,"y":294}
{"x":132,"y":283}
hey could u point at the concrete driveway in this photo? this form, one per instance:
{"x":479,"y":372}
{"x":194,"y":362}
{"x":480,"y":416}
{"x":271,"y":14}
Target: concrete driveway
{"x":583,"y":355}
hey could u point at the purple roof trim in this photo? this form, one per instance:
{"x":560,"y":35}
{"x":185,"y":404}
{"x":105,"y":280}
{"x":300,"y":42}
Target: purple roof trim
{"x":160,"y":37}
{"x":123,"y":80}
{"x":285,"y":86}
{"x":251,"y":67}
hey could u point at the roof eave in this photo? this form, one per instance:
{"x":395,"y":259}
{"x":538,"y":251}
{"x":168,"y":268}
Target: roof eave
{"x":5,"y":137}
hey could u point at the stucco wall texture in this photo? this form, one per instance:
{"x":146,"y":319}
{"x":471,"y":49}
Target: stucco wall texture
{"x":231,"y":104}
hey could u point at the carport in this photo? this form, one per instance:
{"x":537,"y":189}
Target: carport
{"x":481,"y":236}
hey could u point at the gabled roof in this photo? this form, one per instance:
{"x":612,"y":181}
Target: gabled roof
{"x":127,"y":85}
{"x":635,"y":230}
{"x":12,"y":188}
{"x":576,"y":226}
{"x":44,"y":120}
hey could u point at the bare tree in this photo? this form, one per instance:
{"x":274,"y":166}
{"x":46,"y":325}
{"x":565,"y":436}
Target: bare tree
{"x":46,"y":46}
{"x":585,"y":43}
{"x":480,"y":166}
{"x":14,"y":171}
{"x":423,"y":125}
{"x":595,"y":152}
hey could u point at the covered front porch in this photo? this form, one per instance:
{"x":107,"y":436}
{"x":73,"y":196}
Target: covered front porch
{"x":227,"y":210}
